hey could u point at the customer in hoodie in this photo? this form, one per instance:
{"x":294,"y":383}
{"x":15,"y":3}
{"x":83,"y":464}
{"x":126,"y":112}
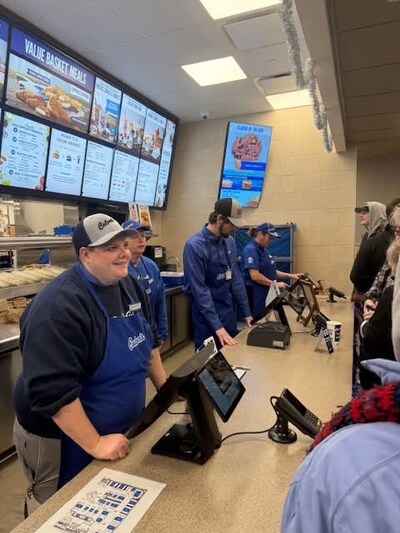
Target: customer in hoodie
{"x":350,"y":480}
{"x":372,"y":252}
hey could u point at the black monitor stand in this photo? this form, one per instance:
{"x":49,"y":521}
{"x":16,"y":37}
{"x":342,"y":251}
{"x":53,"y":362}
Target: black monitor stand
{"x":195,"y":441}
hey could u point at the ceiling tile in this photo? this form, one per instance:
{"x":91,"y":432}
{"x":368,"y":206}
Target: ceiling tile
{"x":357,"y":13}
{"x":369,"y":47}
{"x":374,"y":104}
{"x":155,"y":16}
{"x":162,"y":80}
{"x":373,"y":80}
{"x":267,"y":61}
{"x":34,"y":11}
{"x":91,"y":26}
{"x":255,"y":32}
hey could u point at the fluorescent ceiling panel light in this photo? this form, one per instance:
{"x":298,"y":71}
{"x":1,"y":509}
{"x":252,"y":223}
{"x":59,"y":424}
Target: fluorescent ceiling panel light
{"x":215,"y":71}
{"x":287,"y":100}
{"x":220,"y":9}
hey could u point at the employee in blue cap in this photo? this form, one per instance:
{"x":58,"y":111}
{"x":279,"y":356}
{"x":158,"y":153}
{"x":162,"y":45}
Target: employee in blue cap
{"x":212,"y":276}
{"x":147,"y":273}
{"x":259,"y":268}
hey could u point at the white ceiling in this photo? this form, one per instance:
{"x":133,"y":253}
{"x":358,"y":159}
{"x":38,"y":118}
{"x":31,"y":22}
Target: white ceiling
{"x":144,"y":44}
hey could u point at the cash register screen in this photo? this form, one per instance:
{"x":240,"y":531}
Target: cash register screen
{"x":223,"y":387}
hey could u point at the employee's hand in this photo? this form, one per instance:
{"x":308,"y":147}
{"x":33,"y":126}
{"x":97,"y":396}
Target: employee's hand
{"x":248,"y":320}
{"x":295,"y":276}
{"x":224,"y":338}
{"x":282,"y":285}
{"x":111,"y":447}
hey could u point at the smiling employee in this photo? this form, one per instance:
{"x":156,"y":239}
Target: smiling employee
{"x":148,"y":274}
{"x":88,"y":342}
{"x":259,"y":268}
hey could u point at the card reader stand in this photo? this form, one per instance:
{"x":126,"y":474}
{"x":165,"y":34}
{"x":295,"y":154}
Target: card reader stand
{"x":281,"y":432}
{"x":195,"y":441}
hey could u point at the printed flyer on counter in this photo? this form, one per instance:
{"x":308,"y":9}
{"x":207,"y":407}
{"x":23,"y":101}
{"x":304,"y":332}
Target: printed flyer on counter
{"x":66,"y":159}
{"x":3,"y":52}
{"x":245,"y":162}
{"x":47,"y":83}
{"x":111,"y":501}
{"x":105,"y":111}
{"x":131,"y":125}
{"x":23,"y":152}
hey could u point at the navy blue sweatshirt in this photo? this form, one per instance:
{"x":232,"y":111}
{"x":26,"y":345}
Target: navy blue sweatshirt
{"x":63,"y":338}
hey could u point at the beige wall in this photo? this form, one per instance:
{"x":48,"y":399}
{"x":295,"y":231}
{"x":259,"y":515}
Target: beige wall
{"x":378,"y":179}
{"x":304,"y":185}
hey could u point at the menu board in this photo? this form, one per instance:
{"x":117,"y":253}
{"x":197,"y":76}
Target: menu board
{"x":146,"y":183}
{"x":165,"y":164}
{"x":154,"y":131}
{"x":123,"y":177}
{"x":131,"y":125}
{"x":23,"y":152}
{"x":96,"y":178}
{"x":245,"y":162}
{"x":66,"y":160}
{"x":3,"y":52}
{"x":47,"y":83}
{"x":105,"y":111}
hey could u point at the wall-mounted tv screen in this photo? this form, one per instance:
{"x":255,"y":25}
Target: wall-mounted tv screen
{"x":105,"y":111}
{"x":245,"y":162}
{"x":72,"y":131}
{"x":96,"y":177}
{"x":123,"y":177}
{"x":66,"y":161}
{"x":23,"y":152}
{"x":4,"y":27}
{"x":47,"y":83}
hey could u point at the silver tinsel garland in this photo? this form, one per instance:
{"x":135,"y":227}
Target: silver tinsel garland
{"x":304,"y":77}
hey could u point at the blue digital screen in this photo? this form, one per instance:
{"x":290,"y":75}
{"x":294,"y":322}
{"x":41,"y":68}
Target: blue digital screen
{"x":245,"y":162}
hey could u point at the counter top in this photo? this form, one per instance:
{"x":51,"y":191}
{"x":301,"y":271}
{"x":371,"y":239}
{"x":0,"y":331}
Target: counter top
{"x":243,"y":486}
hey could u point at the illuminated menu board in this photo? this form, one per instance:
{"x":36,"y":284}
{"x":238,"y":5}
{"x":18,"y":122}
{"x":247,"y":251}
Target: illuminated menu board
{"x":23,"y":152}
{"x":69,"y":132}
{"x":131,"y":125}
{"x":47,"y":83}
{"x":146,"y":183}
{"x":4,"y":27}
{"x":96,"y":178}
{"x":105,"y":111}
{"x":165,"y":165}
{"x":124,"y":176}
{"x":66,"y":160}
{"x":153,"y":137}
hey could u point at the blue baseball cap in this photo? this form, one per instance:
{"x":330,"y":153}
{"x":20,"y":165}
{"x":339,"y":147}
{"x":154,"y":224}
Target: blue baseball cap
{"x":137,"y":226}
{"x":268,"y":228}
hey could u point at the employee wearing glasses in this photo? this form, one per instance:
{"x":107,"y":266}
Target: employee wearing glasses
{"x":258,"y":267}
{"x":147,"y":273}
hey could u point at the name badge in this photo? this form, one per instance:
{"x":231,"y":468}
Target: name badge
{"x":133,"y":308}
{"x":148,"y":291}
{"x":228,"y":274}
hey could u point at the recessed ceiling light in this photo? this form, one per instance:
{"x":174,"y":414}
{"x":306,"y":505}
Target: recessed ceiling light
{"x":215,"y":71}
{"x":287,"y":100}
{"x":219,"y":9}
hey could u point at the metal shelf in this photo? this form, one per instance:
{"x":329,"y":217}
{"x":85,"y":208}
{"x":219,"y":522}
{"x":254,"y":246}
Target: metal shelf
{"x":34,"y":242}
{"x":22,"y":290}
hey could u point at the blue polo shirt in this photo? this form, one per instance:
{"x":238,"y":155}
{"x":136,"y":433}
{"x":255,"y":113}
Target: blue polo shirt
{"x":256,"y":256}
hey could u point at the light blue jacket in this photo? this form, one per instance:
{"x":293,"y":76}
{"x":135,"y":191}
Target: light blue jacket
{"x":350,"y":483}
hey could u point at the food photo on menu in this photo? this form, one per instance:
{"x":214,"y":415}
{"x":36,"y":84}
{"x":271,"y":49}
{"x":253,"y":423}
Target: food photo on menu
{"x":47,"y":84}
{"x":105,"y":111}
{"x":154,"y":131}
{"x":3,"y":52}
{"x":131,"y":125}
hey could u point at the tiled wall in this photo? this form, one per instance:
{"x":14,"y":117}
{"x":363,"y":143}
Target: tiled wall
{"x":303,"y":185}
